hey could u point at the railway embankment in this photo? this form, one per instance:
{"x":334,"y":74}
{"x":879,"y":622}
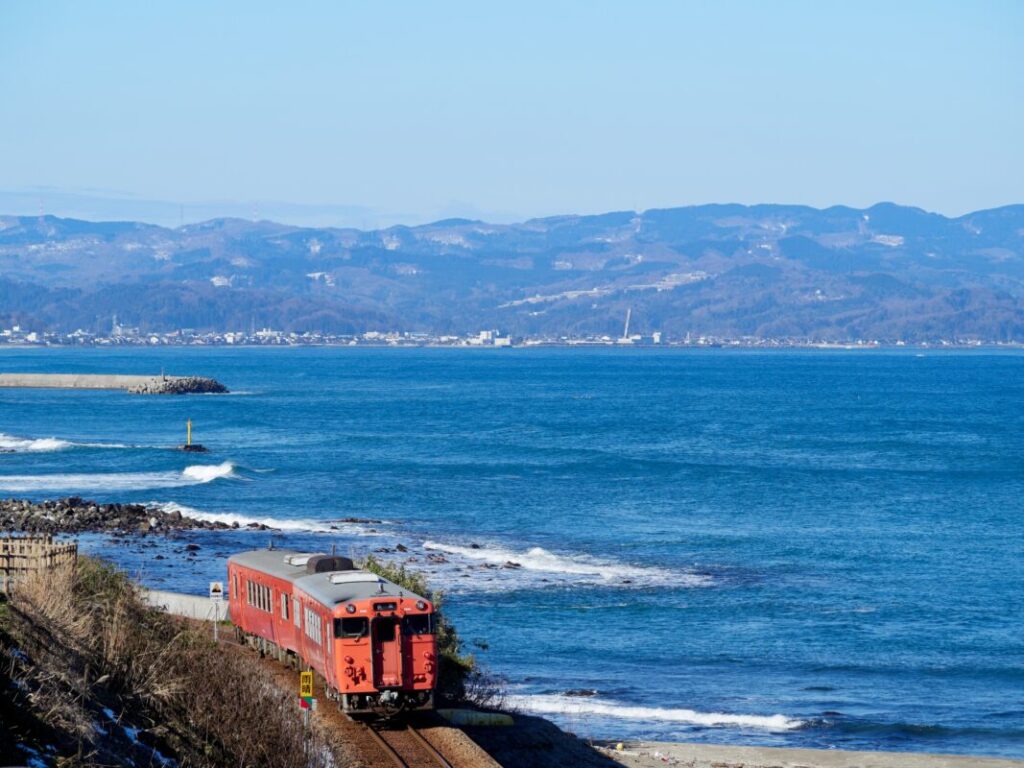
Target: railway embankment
{"x":90,"y":675}
{"x":136,"y":385}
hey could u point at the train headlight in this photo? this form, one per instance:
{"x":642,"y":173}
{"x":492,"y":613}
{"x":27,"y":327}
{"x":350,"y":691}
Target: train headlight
{"x":350,"y":608}
{"x":421,"y":605}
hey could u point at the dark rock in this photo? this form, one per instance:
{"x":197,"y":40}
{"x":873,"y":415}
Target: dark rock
{"x":76,"y":515}
{"x":178,"y":385}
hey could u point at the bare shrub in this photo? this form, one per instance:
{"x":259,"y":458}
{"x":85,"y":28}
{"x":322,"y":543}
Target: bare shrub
{"x":93,"y":640}
{"x":486,"y":691}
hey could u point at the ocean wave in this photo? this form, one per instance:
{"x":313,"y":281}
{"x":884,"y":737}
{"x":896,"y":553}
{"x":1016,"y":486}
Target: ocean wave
{"x":46,"y":444}
{"x":206,"y":473}
{"x":196,"y":474}
{"x":590,"y":568}
{"x":576,"y":706}
{"x":278,"y":523}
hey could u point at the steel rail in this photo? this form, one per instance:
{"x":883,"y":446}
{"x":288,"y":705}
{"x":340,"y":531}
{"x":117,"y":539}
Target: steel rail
{"x":396,"y":758}
{"x":429,"y":747}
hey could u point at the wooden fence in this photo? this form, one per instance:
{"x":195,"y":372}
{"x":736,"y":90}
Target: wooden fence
{"x":21,"y":556}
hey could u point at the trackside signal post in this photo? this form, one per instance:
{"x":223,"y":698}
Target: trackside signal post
{"x":216,"y":598}
{"x":306,"y":700}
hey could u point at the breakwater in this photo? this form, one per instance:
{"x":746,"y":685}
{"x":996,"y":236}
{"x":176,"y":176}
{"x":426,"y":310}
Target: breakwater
{"x":136,"y":385}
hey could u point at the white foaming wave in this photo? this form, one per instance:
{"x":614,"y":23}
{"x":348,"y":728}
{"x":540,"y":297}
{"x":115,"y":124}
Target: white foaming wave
{"x":196,"y":474}
{"x":584,"y":566}
{"x":205,"y":473}
{"x":578,"y":706}
{"x":46,"y":444}
{"x":278,"y":523}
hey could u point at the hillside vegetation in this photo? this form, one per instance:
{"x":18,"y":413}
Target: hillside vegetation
{"x":90,"y":676}
{"x":886,"y":272}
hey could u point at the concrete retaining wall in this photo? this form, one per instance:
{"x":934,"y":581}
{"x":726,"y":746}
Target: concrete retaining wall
{"x":190,"y":606}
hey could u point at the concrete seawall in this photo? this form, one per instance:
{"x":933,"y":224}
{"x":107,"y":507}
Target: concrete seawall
{"x":73,"y":380}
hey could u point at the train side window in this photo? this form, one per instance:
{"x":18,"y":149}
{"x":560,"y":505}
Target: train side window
{"x":314,"y":626}
{"x":351,"y":628}
{"x":295,"y":610}
{"x":417,"y":624}
{"x":284,"y":607}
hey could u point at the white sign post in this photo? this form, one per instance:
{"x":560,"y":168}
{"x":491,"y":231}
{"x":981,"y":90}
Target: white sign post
{"x":216,"y":597}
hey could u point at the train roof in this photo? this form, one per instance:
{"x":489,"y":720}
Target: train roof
{"x":327,"y":587}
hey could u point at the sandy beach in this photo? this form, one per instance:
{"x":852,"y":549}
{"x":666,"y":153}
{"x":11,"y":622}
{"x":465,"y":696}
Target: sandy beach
{"x":647,"y":754}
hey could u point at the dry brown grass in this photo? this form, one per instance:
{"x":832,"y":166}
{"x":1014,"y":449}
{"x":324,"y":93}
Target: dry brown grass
{"x":94,"y":644}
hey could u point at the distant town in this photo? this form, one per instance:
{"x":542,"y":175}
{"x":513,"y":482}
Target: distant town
{"x":121,"y":335}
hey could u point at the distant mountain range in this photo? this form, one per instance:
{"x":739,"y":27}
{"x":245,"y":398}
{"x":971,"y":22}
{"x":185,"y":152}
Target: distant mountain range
{"x":887,"y":272}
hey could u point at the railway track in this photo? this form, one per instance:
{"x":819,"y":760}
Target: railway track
{"x":405,"y":745}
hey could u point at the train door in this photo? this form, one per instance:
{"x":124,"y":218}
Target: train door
{"x":387,"y":652}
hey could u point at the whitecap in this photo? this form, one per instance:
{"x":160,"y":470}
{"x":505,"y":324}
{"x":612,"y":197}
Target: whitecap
{"x":576,"y":568}
{"x":196,"y":474}
{"x":278,"y":523}
{"x":46,"y":444}
{"x":577,"y":706}
{"x":205,"y":473}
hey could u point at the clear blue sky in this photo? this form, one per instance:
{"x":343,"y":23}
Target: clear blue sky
{"x":424,"y":109}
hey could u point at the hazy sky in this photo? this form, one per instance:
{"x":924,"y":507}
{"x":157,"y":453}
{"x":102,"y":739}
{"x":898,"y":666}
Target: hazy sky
{"x":425,"y":109}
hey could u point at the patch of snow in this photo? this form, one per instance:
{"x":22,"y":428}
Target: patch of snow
{"x":447,"y":238}
{"x":674,"y":280}
{"x":321,"y":277}
{"x":893,"y":241}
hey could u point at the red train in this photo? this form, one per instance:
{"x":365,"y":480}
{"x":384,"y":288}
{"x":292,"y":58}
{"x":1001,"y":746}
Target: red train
{"x":372,"y":642}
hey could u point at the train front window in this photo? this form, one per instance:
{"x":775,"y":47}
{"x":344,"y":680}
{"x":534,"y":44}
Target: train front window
{"x":351,"y":628}
{"x":384,"y":630}
{"x":417,"y":624}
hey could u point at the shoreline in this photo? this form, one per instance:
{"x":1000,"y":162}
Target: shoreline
{"x":647,"y":754}
{"x":909,"y":348}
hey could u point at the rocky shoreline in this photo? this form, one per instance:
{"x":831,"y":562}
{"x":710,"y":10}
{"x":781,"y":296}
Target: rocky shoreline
{"x":77,"y":515}
{"x":178,"y":385}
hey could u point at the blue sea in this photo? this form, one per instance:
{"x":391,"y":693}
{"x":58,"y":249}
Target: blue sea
{"x":816,"y":549}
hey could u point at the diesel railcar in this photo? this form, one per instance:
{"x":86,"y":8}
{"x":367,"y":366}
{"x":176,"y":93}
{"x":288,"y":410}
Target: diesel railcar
{"x":372,"y":641}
